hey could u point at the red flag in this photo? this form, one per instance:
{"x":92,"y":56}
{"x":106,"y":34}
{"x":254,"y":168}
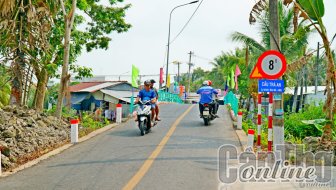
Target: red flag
{"x":237,"y":73}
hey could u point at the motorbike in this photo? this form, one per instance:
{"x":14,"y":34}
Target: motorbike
{"x":208,"y":113}
{"x":144,"y":117}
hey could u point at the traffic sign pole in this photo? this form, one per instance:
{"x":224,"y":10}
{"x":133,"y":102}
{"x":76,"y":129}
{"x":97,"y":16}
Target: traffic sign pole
{"x":259,"y":122}
{"x":271,"y":65}
{"x":270,"y":122}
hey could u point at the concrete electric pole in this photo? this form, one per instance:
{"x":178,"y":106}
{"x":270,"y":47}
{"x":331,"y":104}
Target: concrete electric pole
{"x":278,"y":111}
{"x":189,"y":71}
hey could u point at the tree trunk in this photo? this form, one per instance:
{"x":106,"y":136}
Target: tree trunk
{"x":301,"y":89}
{"x":296,"y":89}
{"x":68,"y":96}
{"x":330,"y":104}
{"x":16,"y":92}
{"x":41,"y":90}
{"x":296,"y":18}
{"x":248,"y":104}
{"x":68,"y":20}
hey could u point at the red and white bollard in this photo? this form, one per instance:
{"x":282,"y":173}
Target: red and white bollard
{"x":259,"y":122}
{"x":250,"y":139}
{"x":74,"y":130}
{"x":270,"y":122}
{"x":240,"y":121}
{"x":119,"y":113}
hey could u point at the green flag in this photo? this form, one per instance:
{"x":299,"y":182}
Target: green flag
{"x":135,"y":75}
{"x":232,"y":84}
{"x":228,"y":80}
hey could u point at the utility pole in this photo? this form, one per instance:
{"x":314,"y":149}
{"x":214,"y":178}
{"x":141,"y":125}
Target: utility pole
{"x":178,"y":70}
{"x":278,"y":111}
{"x":317,"y":66}
{"x":189,"y":72}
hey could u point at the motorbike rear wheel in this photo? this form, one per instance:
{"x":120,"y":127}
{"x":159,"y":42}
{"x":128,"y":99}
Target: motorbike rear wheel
{"x":206,"y":121}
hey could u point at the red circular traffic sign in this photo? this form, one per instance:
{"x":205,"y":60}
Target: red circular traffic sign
{"x":272,"y":64}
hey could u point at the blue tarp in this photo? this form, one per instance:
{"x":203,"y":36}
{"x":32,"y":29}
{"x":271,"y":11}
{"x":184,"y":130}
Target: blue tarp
{"x":77,"y":98}
{"x":83,"y":100}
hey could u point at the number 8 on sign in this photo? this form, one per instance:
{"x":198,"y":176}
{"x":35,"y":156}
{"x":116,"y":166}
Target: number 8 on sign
{"x":272,"y":64}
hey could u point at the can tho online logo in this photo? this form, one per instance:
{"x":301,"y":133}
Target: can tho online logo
{"x":286,"y":164}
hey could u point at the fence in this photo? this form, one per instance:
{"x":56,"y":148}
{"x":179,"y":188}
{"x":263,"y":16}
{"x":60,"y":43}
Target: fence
{"x":231,"y":99}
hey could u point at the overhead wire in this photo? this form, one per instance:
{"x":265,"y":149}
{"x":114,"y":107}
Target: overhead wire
{"x":186,"y":24}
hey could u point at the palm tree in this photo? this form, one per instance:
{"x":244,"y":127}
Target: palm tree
{"x":292,"y":43}
{"x":22,"y":33}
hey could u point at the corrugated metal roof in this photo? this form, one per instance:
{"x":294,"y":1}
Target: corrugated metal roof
{"x":99,"y":86}
{"x":83,"y":85}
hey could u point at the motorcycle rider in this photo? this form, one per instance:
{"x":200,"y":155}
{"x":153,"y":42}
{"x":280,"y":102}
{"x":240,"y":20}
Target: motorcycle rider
{"x":216,"y":105}
{"x":206,"y":93}
{"x":156,"y":103}
{"x":147,"y":94}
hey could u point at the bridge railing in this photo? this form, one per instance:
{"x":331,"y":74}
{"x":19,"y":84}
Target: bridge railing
{"x":169,"y":97}
{"x":231,"y":99}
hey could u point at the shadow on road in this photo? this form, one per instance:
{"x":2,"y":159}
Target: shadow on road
{"x":126,"y":133}
{"x":203,"y":160}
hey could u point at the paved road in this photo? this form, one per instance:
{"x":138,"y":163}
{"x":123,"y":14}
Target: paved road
{"x":179,"y":153}
{"x":111,"y":160}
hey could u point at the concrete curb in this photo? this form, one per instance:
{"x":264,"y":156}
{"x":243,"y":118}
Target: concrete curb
{"x":58,"y":150}
{"x":242,"y":137}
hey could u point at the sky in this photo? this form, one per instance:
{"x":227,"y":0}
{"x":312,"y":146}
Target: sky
{"x":207,"y":35}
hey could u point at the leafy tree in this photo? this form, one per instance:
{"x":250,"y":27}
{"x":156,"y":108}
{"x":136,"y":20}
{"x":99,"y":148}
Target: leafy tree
{"x":103,"y":21}
{"x":24,"y":27}
{"x":32,"y":35}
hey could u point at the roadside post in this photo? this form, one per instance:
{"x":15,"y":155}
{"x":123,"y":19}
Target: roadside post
{"x":74,"y":130}
{"x":240,"y":121}
{"x":250,"y":140}
{"x":119,"y":114}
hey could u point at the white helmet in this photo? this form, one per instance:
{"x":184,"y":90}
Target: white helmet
{"x":206,"y":83}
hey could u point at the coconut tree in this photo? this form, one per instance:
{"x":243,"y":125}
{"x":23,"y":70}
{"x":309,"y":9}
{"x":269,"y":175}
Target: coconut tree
{"x":293,"y":39}
{"x":291,"y":42}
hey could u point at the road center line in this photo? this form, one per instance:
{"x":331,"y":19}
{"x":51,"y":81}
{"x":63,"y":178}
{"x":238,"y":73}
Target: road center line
{"x":148,"y":163}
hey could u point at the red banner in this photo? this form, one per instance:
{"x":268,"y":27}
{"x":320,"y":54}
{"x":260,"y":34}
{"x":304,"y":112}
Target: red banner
{"x":161,"y":75}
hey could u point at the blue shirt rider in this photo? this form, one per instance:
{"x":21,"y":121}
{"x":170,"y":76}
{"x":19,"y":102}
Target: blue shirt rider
{"x":206,"y":92}
{"x":147,"y":94}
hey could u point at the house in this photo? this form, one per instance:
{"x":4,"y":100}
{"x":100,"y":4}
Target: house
{"x":88,"y":96}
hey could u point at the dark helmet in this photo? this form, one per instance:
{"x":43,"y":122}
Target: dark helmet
{"x":152,"y":81}
{"x":147,"y":82}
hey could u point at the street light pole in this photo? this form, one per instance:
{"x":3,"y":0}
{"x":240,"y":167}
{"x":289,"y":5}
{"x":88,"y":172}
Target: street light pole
{"x":171,"y":12}
{"x":122,"y":74}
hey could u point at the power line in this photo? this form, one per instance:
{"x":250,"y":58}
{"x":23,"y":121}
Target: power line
{"x":203,"y":58}
{"x":187,"y":22}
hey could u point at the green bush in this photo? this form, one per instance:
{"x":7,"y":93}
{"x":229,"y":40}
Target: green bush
{"x":66,"y":113}
{"x":88,"y":121}
{"x":296,"y":128}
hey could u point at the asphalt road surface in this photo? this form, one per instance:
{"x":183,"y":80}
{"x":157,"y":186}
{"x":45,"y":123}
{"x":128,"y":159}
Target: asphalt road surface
{"x":179,"y":153}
